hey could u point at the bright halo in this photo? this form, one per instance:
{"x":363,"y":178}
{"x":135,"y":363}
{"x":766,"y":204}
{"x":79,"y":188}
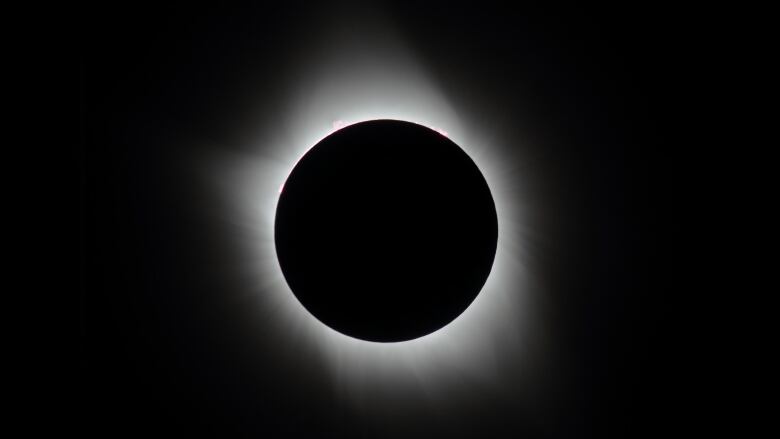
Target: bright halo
{"x":357,"y":85}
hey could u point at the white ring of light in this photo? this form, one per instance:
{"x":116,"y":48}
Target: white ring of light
{"x":388,"y":85}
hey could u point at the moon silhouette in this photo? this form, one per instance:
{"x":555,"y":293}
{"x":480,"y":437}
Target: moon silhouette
{"x":386,"y":231}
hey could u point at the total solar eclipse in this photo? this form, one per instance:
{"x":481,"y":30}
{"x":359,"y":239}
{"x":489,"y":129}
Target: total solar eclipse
{"x":386,"y":230}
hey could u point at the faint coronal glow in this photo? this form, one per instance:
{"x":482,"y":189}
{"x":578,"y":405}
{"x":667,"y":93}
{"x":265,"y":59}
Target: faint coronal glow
{"x":350,"y":84}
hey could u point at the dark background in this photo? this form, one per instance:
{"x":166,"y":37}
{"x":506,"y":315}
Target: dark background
{"x":599,"y":86}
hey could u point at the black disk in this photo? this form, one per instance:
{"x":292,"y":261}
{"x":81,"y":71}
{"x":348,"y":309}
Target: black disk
{"x":386,"y":231}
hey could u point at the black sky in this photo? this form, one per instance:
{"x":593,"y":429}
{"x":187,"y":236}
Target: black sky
{"x":595,"y":87}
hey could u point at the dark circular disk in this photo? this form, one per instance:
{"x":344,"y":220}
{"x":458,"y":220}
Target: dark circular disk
{"x":386,"y":231}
